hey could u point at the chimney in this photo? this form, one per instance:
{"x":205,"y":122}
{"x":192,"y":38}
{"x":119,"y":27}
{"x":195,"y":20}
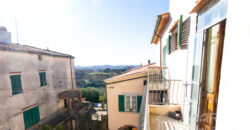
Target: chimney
{"x":149,"y":62}
{"x":5,"y":36}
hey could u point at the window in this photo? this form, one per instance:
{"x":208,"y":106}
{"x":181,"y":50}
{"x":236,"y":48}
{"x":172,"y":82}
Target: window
{"x":173,"y":40}
{"x":31,"y":117}
{"x":16,"y":84}
{"x":129,"y":103}
{"x":180,"y":33}
{"x":39,"y":57}
{"x":42,"y":78}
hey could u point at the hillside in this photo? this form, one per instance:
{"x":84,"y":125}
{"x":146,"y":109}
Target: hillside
{"x":93,"y":76}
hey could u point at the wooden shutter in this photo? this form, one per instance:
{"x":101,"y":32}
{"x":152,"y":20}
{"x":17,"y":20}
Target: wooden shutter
{"x":168,"y":47}
{"x":164,"y":56}
{"x":26,"y":118}
{"x":139,"y":100}
{"x":31,"y":117}
{"x":16,"y":84}
{"x":41,"y":79}
{"x":37,"y":117}
{"x":19,"y":84}
{"x":179,"y":35}
{"x":13,"y":84}
{"x":44,"y":79}
{"x":121,"y":103}
{"x":185,"y":31}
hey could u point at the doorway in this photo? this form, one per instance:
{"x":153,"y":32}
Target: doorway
{"x":212,"y":53}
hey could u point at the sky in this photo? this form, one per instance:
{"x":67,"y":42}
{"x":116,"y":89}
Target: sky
{"x":95,"y":32}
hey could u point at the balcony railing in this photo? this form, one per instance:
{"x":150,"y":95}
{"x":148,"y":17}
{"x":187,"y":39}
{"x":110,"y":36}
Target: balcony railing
{"x":161,"y":93}
{"x":163,"y":89}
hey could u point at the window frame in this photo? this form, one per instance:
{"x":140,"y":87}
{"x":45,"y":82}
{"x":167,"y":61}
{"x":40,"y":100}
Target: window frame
{"x":21,"y":88}
{"x":43,"y":81}
{"x":130,"y":103}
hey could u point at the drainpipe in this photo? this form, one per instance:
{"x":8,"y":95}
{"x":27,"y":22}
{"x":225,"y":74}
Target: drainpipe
{"x":71,"y":73}
{"x":160,"y":50}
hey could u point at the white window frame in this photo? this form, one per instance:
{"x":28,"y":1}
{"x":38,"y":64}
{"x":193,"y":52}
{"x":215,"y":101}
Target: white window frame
{"x":130,"y":95}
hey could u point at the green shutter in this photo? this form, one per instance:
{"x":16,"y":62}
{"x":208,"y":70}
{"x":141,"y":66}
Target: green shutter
{"x":121,"y":103}
{"x":26,"y":118}
{"x":168,"y":47}
{"x":139,"y":100}
{"x":31,"y":117}
{"x":179,"y":35}
{"x":19,"y":84}
{"x":37,"y":114}
{"x":16,"y":84}
{"x":44,"y":79}
{"x":164,"y":56}
{"x":41,"y":79}
{"x":13,"y":84}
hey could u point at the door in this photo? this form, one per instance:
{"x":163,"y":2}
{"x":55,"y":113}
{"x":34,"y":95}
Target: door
{"x":211,"y":75}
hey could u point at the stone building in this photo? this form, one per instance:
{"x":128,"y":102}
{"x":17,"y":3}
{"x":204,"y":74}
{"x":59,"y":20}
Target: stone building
{"x":31,"y":80}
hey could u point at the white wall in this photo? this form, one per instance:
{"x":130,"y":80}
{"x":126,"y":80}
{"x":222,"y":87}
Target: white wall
{"x":234,"y":92}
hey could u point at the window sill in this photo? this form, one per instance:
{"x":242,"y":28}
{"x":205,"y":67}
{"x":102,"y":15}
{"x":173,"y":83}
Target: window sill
{"x":16,"y":94}
{"x":130,"y":112}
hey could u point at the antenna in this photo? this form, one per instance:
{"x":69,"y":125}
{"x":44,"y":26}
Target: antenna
{"x":16,"y":31}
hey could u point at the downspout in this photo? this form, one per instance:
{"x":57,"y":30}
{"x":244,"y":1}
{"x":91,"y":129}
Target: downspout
{"x":160,"y":50}
{"x":160,"y":53}
{"x":71,"y":73}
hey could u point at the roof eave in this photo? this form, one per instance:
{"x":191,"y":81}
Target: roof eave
{"x":159,"y":25}
{"x":198,"y":6}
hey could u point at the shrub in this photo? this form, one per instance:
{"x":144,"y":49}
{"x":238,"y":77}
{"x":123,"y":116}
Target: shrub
{"x":59,"y":127}
{"x":47,"y":127}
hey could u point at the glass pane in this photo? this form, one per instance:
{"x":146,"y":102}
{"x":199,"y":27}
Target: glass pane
{"x":211,"y":52}
{"x":197,"y":55}
{"x":127,"y":103}
{"x":134,"y":103}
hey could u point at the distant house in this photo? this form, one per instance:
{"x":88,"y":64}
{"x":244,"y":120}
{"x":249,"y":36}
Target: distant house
{"x":124,"y":95}
{"x":36,"y":84}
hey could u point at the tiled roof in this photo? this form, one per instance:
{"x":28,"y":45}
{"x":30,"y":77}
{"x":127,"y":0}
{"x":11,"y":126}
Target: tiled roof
{"x":29,"y":49}
{"x":141,"y":69}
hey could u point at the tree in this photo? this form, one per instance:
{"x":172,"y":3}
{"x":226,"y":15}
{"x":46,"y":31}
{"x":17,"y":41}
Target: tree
{"x":91,"y":94}
{"x":103,"y":99}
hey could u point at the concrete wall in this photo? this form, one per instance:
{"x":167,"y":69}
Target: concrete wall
{"x":11,"y":106}
{"x":233,"y":103}
{"x":118,"y":119}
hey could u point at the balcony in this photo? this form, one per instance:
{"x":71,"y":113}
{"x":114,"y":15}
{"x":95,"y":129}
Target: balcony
{"x":164,"y":102}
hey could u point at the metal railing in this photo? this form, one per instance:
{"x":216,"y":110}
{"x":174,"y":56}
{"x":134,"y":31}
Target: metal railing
{"x":160,"y":89}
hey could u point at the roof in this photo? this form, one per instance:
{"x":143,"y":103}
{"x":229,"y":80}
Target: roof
{"x":69,"y":93}
{"x":160,"y":26}
{"x":173,"y":26}
{"x":198,"y":5}
{"x":131,"y":74}
{"x":29,"y":49}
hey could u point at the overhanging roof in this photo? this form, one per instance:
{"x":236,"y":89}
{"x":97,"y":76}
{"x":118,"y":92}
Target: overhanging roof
{"x":160,"y":26}
{"x":198,"y":5}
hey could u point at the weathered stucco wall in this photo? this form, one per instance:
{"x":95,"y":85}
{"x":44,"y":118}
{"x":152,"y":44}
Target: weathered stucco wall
{"x":57,"y":69}
{"x":118,"y":119}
